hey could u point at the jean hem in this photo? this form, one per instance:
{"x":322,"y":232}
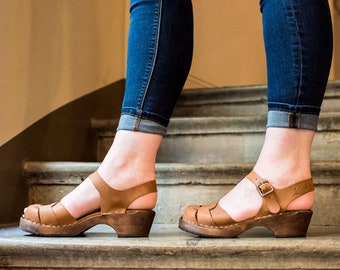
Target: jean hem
{"x":135,"y":123}
{"x":296,"y":120}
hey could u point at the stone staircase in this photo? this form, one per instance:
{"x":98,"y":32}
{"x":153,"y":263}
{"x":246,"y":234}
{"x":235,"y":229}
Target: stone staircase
{"x":214,"y":139}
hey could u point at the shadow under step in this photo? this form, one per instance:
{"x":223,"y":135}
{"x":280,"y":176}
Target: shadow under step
{"x":240,"y":100}
{"x":169,"y":248}
{"x":180,"y":185}
{"x":222,"y":139}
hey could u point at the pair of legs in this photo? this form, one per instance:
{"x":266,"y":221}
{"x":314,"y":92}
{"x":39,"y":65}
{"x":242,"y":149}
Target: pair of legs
{"x":298,"y":40}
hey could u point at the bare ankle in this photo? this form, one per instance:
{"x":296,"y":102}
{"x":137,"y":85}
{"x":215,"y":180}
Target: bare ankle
{"x":131,"y":159}
{"x":285,"y":156}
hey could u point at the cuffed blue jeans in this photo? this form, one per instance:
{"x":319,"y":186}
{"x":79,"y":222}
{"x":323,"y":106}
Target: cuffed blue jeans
{"x":298,"y":42}
{"x":160,"y":47}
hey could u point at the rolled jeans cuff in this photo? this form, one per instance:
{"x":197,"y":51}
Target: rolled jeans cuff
{"x":134,"y":123}
{"x":297,"y":120}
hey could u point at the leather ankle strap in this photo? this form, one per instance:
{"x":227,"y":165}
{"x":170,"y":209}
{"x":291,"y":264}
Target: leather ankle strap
{"x":277,"y":200}
{"x":113,"y":200}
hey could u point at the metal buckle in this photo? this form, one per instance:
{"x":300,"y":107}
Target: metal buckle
{"x":264,"y":188}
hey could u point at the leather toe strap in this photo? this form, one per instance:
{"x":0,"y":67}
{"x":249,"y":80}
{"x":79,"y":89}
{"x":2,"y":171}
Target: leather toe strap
{"x":207,"y":215}
{"x":51,"y":215}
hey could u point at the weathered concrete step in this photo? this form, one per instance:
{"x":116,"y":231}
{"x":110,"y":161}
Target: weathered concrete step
{"x":242,"y":100}
{"x":223,"y":139}
{"x":169,"y":248}
{"x":182,"y":184}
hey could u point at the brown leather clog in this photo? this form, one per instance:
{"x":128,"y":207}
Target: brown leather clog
{"x":55,"y":220}
{"x":212,"y":221}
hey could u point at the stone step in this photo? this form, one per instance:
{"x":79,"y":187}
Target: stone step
{"x":222,"y":139}
{"x":182,"y":184}
{"x":237,"y":101}
{"x":169,"y":248}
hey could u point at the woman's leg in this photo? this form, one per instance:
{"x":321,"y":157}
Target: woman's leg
{"x":159,"y":58}
{"x":298,"y":41}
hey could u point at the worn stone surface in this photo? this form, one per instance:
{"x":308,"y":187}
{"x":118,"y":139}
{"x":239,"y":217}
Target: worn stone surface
{"x":182,"y":184}
{"x":169,"y":248}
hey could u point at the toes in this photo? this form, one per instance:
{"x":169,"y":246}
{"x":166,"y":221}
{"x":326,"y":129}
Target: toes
{"x":33,"y":205}
{"x":32,"y":213}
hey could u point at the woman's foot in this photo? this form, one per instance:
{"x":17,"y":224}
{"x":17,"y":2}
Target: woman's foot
{"x":121,"y":194}
{"x":129,"y":163}
{"x":273,"y":212}
{"x":55,"y":219}
{"x":284,"y":161}
{"x":244,"y":201}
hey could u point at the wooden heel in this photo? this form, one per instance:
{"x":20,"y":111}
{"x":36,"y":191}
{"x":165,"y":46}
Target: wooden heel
{"x":290,"y":224}
{"x":133,"y":223}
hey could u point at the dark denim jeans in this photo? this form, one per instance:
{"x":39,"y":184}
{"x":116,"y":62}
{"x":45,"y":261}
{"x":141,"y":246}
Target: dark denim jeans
{"x":160,"y":50}
{"x":298,"y":41}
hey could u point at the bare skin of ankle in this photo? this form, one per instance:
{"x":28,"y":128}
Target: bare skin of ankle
{"x":284,"y":160}
{"x":129,"y":162}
